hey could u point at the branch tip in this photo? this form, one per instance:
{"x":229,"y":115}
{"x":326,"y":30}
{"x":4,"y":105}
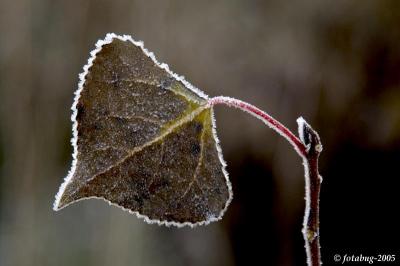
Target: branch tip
{"x":308,"y":136}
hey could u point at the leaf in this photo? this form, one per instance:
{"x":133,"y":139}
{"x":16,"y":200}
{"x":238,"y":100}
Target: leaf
{"x":144,"y":140}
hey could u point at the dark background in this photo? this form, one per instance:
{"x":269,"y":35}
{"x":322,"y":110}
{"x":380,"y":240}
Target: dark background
{"x":337,"y":63}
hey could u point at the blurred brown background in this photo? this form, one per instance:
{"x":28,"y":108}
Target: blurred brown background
{"x":337,"y":63}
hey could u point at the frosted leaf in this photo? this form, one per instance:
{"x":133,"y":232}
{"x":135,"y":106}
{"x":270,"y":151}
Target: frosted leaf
{"x":144,"y":140}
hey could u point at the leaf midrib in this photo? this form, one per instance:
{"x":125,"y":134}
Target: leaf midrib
{"x":189,"y":117}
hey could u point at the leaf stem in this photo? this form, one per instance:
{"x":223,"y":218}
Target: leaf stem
{"x":308,"y":146}
{"x":263,"y":116}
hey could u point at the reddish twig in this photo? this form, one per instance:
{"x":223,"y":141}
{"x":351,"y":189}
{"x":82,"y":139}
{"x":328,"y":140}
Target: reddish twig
{"x":266,"y":118}
{"x":308,"y":146}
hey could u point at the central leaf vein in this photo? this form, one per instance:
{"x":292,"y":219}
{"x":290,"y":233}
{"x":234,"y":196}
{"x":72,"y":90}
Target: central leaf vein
{"x":171,"y":127}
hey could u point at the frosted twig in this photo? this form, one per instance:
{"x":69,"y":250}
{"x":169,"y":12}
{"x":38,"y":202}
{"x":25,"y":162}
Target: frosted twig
{"x":308,"y":146}
{"x":311,"y":139}
{"x":263,"y":116}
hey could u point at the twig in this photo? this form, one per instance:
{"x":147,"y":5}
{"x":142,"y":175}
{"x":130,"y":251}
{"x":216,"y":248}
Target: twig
{"x":308,"y":147}
{"x":313,"y":184}
{"x":266,"y":118}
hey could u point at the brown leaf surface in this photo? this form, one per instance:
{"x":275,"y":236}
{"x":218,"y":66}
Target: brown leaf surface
{"x":145,"y":141}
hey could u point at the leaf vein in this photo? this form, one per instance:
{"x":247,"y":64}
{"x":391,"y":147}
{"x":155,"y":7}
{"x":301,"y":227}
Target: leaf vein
{"x":168,"y":131}
{"x":199,"y":164}
{"x":146,"y":119}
